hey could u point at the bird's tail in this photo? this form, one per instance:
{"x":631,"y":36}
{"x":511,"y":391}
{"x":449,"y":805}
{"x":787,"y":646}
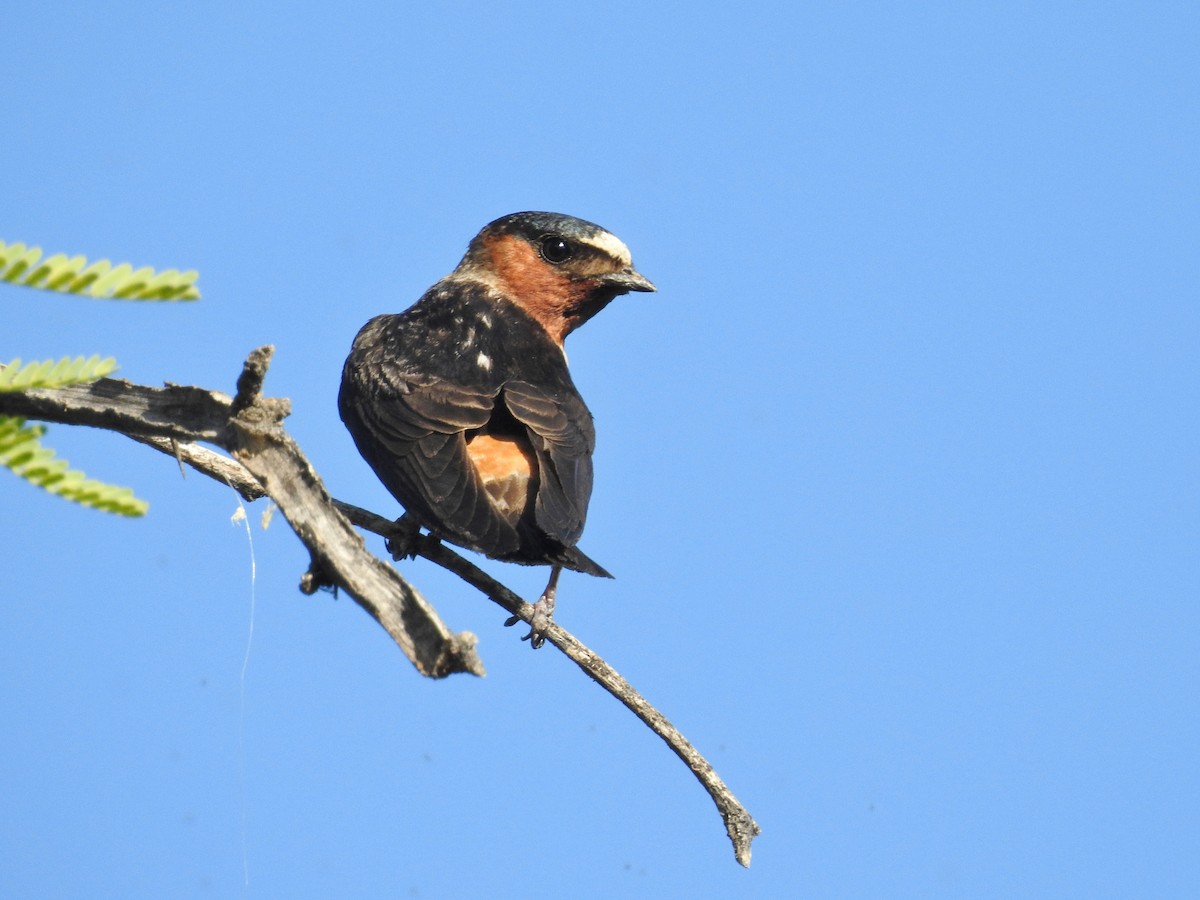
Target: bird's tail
{"x":575,"y":559}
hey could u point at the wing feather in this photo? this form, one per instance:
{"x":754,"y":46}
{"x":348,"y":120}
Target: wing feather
{"x":563,"y":437}
{"x":412,"y":433}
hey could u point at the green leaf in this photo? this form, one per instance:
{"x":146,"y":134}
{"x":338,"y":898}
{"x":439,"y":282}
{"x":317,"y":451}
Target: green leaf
{"x":51,"y":374}
{"x":24,"y":265}
{"x":22,"y":452}
{"x":19,"y":259}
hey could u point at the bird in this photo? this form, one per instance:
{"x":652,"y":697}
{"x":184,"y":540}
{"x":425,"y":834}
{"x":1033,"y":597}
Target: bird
{"x":464,"y":407}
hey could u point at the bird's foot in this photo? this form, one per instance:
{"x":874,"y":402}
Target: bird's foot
{"x":543,"y":613}
{"x":539,"y":623}
{"x":402,"y":542}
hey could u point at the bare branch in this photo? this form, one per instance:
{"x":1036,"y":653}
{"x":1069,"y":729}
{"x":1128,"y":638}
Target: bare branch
{"x":271,"y":460}
{"x":208,"y":462}
{"x":739,"y":823}
{"x":174,"y":411}
{"x":267,"y":462}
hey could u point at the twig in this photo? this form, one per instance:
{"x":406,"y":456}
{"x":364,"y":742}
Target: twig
{"x":208,"y":462}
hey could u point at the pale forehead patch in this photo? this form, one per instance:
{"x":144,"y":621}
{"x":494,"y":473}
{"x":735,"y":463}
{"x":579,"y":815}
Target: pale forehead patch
{"x":612,"y":245}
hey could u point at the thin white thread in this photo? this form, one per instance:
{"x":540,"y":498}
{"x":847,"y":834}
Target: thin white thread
{"x":241,"y":516}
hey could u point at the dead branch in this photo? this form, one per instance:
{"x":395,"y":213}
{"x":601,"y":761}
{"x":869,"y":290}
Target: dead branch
{"x":248,"y":426}
{"x":267,"y":462}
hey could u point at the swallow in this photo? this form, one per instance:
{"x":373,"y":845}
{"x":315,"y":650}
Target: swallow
{"x":464,"y":407}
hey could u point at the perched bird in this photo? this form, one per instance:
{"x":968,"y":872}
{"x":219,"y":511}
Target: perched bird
{"x":463,"y":404}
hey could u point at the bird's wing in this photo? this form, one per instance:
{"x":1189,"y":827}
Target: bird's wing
{"x":414,"y":440}
{"x":563,"y":437}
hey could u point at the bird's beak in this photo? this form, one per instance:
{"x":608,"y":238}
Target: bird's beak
{"x":628,"y":279}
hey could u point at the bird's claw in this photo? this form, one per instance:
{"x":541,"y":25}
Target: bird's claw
{"x":405,"y":538}
{"x":539,"y":622}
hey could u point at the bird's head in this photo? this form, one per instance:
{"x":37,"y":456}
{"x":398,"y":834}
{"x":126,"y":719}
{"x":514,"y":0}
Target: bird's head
{"x":559,"y":269}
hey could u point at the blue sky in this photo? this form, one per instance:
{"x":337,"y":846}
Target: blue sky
{"x":897,"y":472}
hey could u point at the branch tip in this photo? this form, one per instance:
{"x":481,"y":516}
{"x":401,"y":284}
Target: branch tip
{"x":742,"y":830}
{"x":250,"y":382}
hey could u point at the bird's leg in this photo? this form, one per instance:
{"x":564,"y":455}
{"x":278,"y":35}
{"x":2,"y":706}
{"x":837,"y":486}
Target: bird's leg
{"x":543,"y":612}
{"x":402,"y":542}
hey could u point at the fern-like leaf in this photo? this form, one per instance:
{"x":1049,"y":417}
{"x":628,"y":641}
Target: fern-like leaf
{"x":24,"y":265}
{"x":51,"y":374}
{"x":21,"y":450}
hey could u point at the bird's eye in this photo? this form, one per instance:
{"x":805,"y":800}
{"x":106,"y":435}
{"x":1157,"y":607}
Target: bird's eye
{"x":555,"y":250}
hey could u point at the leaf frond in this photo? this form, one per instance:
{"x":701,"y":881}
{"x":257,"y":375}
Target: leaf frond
{"x":51,"y":374}
{"x":24,"y":265}
{"x":22,"y":452}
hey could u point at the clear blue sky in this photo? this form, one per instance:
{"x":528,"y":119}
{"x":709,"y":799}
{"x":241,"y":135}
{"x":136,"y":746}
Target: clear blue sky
{"x":898,"y":471}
